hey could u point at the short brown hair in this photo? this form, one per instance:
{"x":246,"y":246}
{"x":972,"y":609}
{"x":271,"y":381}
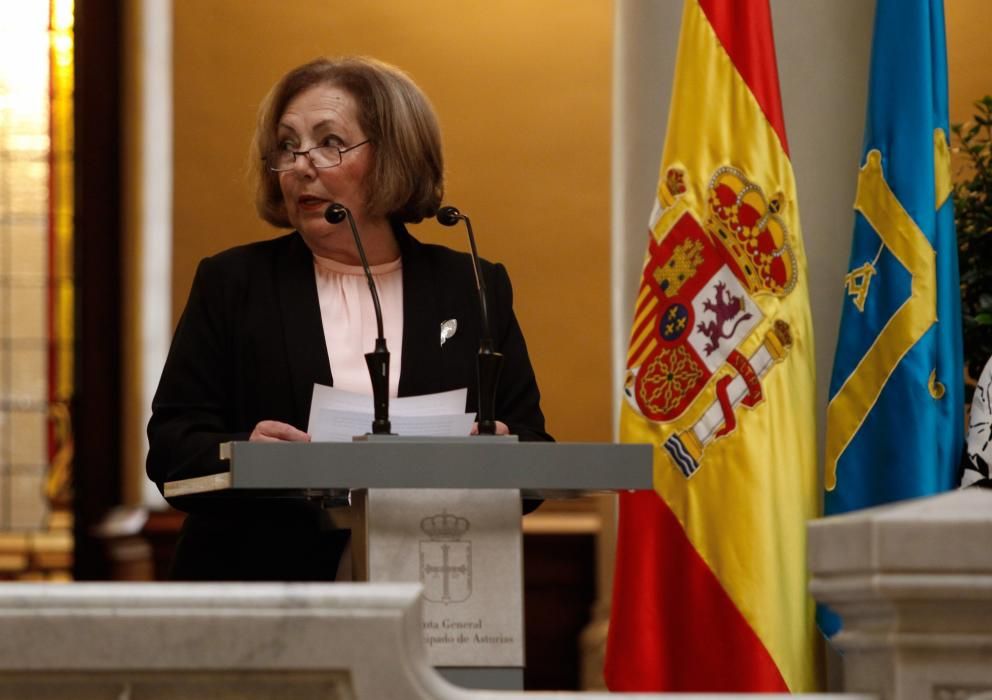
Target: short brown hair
{"x":406,"y":181}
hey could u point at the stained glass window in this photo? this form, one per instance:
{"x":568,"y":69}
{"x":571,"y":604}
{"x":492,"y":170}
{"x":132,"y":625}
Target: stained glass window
{"x":36,"y":287}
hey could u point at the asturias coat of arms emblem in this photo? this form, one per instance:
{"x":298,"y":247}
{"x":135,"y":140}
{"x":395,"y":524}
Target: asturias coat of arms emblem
{"x":696,"y":310}
{"x":446,"y":559}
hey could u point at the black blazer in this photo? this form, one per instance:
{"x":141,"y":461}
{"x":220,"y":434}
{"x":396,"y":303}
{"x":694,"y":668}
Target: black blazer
{"x":249,"y":347}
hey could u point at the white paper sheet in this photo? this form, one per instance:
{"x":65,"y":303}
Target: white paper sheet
{"x":337,"y":416}
{"x":341,"y":426}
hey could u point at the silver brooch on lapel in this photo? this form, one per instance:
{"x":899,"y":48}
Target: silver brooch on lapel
{"x":448,"y":329}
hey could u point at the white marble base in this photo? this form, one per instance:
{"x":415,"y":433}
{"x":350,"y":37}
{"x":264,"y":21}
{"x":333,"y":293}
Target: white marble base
{"x":913,"y":583}
{"x":120,"y":641}
{"x":212,"y":640}
{"x":242,"y":685}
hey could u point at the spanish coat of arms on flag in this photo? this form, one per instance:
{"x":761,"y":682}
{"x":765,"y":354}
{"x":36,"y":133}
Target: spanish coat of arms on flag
{"x":696,"y":311}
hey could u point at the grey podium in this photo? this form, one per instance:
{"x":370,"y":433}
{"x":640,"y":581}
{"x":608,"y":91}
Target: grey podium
{"x":445,"y":512}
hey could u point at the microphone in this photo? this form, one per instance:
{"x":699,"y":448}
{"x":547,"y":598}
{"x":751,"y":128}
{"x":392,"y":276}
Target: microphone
{"x":378,"y":359}
{"x":490,"y":362}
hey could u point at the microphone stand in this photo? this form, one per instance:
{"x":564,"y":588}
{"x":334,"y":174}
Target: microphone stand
{"x":378,"y":359}
{"x":490,"y":362}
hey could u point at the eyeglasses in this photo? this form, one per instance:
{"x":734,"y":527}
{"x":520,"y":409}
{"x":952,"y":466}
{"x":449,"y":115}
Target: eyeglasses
{"x":320,"y":156}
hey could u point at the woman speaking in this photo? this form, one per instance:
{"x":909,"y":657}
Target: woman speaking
{"x":266,"y":321}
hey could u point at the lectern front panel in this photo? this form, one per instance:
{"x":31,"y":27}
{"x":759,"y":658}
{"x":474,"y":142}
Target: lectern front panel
{"x":464,"y":547}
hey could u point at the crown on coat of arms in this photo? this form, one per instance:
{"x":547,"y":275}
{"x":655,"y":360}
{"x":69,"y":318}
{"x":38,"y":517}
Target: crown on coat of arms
{"x":747,"y":224}
{"x":444,"y":526}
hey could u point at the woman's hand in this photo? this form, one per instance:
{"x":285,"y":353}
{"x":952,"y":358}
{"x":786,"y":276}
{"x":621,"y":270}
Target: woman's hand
{"x":501,"y":428}
{"x":274,"y":431}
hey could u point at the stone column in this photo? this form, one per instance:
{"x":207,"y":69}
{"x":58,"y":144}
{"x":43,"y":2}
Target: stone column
{"x":913,"y":583}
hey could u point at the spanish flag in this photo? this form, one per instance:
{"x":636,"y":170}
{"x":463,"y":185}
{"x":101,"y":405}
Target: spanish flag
{"x":710,"y":581}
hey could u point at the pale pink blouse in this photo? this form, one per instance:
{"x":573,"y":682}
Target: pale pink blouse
{"x":348,"y":316}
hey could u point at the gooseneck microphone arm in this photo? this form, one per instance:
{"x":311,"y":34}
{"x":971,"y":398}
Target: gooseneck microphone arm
{"x":490,"y":362}
{"x":378,"y":359}
{"x":449,"y":216}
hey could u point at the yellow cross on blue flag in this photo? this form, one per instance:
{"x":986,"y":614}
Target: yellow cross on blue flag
{"x":895,"y":425}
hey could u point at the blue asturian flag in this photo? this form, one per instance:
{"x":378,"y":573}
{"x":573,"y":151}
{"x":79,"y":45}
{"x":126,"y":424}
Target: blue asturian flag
{"x":895,"y":425}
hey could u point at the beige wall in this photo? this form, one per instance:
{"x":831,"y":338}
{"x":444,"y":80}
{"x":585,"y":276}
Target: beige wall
{"x":522,"y":89}
{"x":969,"y":54}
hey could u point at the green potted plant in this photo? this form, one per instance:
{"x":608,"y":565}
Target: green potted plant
{"x":973,"y":218}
